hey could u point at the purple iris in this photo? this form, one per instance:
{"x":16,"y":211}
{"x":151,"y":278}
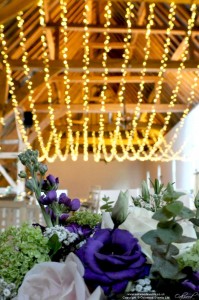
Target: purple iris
{"x":192,"y":283}
{"x":50,"y":183}
{"x":64,"y":199}
{"x":49,"y":198}
{"x":111,"y":258}
{"x":63,"y":217}
{"x":75,"y":204}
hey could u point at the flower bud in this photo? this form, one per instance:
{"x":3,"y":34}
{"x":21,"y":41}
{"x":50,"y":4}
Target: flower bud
{"x":42,"y":168}
{"x":120,"y":209}
{"x":22,"y":174}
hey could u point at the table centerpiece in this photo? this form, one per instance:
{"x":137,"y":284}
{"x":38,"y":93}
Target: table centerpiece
{"x":139,"y":248}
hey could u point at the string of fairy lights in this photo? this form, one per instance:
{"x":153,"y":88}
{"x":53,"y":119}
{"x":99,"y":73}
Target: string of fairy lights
{"x":119,"y":147}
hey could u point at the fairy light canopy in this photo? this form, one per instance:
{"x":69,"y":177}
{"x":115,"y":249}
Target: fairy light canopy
{"x":83,"y":68}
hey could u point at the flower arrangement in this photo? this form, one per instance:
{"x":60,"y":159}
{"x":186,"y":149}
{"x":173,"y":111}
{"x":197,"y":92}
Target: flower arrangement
{"x":130,"y":250}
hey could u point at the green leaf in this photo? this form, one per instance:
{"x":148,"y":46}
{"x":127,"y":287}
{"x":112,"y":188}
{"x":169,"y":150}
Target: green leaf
{"x":196,"y":200}
{"x":185,"y":239}
{"x":171,"y":195}
{"x":145,"y":192}
{"x":167,"y":269}
{"x":162,"y":215}
{"x":54,"y":244}
{"x":150,"y":238}
{"x":194,"y":221}
{"x":186,"y":213}
{"x":174,"y":207}
{"x":170,"y":234}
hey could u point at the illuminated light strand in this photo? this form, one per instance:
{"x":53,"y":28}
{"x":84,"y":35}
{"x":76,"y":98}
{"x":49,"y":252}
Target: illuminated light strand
{"x":47,"y":75}
{"x":12,"y":89}
{"x":67,"y":98}
{"x":179,"y":77}
{"x":26,"y":69}
{"x":122,"y":88}
{"x":158,"y":89}
{"x":190,"y":100}
{"x":143,"y":72}
{"x":85,"y":77}
{"x":103,"y":97}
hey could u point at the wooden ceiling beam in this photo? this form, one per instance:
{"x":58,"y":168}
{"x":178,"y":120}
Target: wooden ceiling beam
{"x":113,"y":66}
{"x":139,"y":29}
{"x":112,"y":108}
{"x":10,"y":10}
{"x":110,"y":79}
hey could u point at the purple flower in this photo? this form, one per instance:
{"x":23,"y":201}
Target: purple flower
{"x":75,"y":204}
{"x":83,"y":231}
{"x":111,"y":258}
{"x":52,"y":180}
{"x":50,"y":212}
{"x":50,"y":183}
{"x":64,"y":199}
{"x":192,"y":283}
{"x":49,"y":198}
{"x":63,"y":217}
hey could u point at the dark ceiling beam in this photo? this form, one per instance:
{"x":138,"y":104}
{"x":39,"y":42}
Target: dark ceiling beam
{"x":114,"y":66}
{"x":123,"y":29}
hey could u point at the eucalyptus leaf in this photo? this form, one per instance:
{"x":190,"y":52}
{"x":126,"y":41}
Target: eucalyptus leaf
{"x":170,"y":235}
{"x":162,"y":214}
{"x":194,"y":221}
{"x":186,"y":213}
{"x":185,"y":239}
{"x":171,"y":195}
{"x":174,"y":207}
{"x":167,"y":269}
{"x":150,"y":237}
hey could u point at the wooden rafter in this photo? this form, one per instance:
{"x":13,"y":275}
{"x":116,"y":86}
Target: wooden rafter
{"x":113,"y":107}
{"x":114,"y":66}
{"x":123,"y":29}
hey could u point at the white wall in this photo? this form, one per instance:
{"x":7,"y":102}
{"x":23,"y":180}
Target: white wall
{"x":188,"y":135}
{"x":79,"y":177}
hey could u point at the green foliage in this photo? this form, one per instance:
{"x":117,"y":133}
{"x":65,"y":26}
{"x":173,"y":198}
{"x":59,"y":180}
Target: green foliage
{"x":190,"y":258}
{"x":20,"y":249}
{"x":85,"y":218}
{"x":107,"y":206}
{"x":160,"y":196}
{"x":120,"y":209}
{"x":195,"y":220}
{"x":34,"y":176}
{"x":54,"y":244}
{"x":168,"y":231}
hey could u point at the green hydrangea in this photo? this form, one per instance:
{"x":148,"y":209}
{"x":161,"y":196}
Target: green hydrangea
{"x":20,"y":249}
{"x":85,"y":218}
{"x":190,"y":258}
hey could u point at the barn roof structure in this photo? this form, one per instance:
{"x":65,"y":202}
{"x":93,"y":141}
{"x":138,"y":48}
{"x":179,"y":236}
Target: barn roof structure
{"x":107,"y":77}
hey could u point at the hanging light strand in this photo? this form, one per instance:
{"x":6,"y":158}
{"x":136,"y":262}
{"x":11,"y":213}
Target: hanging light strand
{"x":103,"y":96}
{"x":45,"y":58}
{"x":85,"y":77}
{"x":143,"y":72}
{"x":29,"y":83}
{"x":178,"y":77}
{"x":67,"y":98}
{"x":15,"y":105}
{"x":158,"y":89}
